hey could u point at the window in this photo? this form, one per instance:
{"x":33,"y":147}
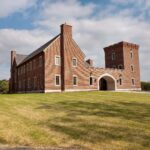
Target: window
{"x":132,"y":68}
{"x":113,"y":56}
{"x":120,"y":81}
{"x":57,"y":80}
{"x":120,"y":67}
{"x":34,"y":63}
{"x":74,"y":62}
{"x":74,"y":80}
{"x":34,"y":82}
{"x":133,"y":82}
{"x":131,"y":53}
{"x":91,"y":80}
{"x":57,"y":60}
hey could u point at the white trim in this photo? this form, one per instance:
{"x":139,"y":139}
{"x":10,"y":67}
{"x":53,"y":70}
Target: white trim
{"x":108,"y":75}
{"x":57,"y":56}
{"x":132,"y":89}
{"x":78,"y":90}
{"x":50,"y":91}
{"x":76,"y":62}
{"x":76,"y":80}
{"x":59,"y":79}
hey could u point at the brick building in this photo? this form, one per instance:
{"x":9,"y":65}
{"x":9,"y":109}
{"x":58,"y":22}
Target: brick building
{"x":59,"y":65}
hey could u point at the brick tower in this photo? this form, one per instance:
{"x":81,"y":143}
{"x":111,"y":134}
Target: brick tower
{"x":124,"y":55}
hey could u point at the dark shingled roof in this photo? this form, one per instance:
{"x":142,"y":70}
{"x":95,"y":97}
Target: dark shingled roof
{"x":39,"y":50}
{"x":20,"y":58}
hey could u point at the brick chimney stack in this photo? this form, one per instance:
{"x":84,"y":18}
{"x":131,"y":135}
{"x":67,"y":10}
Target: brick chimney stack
{"x":13,"y":57}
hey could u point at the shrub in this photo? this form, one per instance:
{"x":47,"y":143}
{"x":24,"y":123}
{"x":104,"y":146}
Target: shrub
{"x":145,"y":86}
{"x":4,"y":86}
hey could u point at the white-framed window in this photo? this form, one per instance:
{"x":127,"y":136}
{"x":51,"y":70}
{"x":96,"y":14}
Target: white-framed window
{"x":132,"y":68}
{"x":131,"y":53}
{"x":120,"y":66}
{"x":75,"y":80}
{"x":113,"y":56}
{"x":74,"y":62}
{"x":57,"y":80}
{"x":57,"y":60}
{"x":91,"y":80}
{"x":133,"y":81}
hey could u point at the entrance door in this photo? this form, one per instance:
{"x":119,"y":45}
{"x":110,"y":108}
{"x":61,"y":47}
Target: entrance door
{"x":103,"y":84}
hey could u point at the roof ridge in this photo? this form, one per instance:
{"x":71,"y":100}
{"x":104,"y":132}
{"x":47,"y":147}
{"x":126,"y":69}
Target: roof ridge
{"x":38,"y":50}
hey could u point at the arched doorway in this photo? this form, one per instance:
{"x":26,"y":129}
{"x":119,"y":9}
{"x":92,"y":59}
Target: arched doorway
{"x":106,"y":82}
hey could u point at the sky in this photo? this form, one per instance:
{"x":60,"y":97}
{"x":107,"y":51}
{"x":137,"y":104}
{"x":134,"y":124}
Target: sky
{"x":27,"y":24}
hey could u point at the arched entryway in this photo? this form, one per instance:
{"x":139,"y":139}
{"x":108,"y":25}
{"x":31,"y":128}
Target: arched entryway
{"x":106,"y":82}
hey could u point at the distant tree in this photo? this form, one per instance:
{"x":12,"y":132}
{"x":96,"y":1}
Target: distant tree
{"x":4,"y":86}
{"x":145,"y":86}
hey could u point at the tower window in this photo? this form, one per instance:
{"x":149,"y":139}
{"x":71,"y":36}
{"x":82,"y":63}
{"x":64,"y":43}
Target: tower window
{"x":57,"y":80}
{"x":132,"y":68}
{"x":91,"y":80}
{"x":133,"y":81}
{"x":113,"y":56}
{"x":74,"y":62}
{"x":131,"y":54}
{"x":74,"y":80}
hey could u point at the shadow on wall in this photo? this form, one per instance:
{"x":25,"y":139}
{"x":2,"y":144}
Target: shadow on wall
{"x":76,"y":122}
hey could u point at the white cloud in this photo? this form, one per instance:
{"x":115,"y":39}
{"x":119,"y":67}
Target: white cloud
{"x":23,"y":41}
{"x":7,"y":7}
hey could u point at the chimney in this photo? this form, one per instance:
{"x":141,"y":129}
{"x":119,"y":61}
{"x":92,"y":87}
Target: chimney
{"x":90,"y":62}
{"x":13,"y":57}
{"x":66,"y":30}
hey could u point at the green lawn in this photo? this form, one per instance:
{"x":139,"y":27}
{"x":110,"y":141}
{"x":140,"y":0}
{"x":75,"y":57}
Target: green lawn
{"x":88,"y":120}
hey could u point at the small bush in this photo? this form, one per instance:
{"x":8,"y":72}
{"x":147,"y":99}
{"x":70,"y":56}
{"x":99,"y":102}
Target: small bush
{"x":4,"y":86}
{"x":145,"y":86}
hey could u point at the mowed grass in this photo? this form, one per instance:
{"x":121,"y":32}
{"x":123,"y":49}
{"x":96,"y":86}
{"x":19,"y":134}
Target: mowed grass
{"x":87,"y":120}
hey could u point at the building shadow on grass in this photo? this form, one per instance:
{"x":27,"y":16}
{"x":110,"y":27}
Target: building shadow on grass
{"x":77,"y":125}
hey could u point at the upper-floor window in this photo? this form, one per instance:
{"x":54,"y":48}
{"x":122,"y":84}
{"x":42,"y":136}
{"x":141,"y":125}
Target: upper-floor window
{"x":91,"y":80}
{"x":34,"y":63}
{"x":133,"y":81}
{"x":74,"y":62}
{"x":132,"y":68}
{"x":57,"y":60}
{"x":131,"y":53}
{"x":57,"y":80}
{"x":113,"y":56}
{"x":75,"y":80}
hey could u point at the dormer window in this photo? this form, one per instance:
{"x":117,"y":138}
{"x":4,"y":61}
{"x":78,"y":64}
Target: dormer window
{"x":74,"y":62}
{"x":57,"y":60}
{"x":113,"y":56}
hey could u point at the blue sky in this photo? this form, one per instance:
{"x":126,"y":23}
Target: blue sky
{"x":27,"y":24}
